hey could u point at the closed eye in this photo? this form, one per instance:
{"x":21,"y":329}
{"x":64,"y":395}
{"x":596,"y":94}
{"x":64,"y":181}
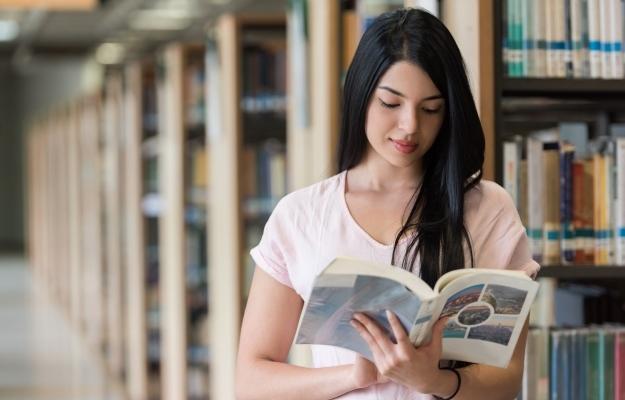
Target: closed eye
{"x":388,"y":105}
{"x":432,"y":110}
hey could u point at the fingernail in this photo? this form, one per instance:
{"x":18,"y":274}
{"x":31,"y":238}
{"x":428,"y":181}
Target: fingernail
{"x":388,"y":314}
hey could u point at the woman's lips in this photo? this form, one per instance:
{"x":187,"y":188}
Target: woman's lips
{"x":404,"y":146}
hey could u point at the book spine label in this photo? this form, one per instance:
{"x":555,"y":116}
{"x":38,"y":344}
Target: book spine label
{"x":594,"y":38}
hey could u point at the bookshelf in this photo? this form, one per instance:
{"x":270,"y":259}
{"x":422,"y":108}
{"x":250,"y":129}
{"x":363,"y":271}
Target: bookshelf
{"x":578,"y":298}
{"x":247,"y":161}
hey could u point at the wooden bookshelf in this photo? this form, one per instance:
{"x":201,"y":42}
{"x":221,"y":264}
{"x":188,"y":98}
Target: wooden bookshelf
{"x":583,"y":272}
{"x":605,"y":88}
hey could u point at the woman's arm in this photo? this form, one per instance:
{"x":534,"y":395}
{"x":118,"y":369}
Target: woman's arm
{"x":269,"y":324}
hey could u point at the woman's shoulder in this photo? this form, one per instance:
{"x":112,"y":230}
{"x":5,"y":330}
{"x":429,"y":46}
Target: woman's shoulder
{"x":310,"y":198}
{"x":488,"y":198}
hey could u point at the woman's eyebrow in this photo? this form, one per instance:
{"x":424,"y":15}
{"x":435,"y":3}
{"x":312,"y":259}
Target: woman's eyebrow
{"x":400,"y":94}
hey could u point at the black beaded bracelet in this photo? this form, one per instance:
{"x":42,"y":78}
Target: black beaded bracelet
{"x":455,"y":371}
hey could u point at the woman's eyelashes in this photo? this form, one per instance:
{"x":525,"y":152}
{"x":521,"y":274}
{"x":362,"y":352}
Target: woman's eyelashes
{"x":427,"y":110}
{"x":388,"y":105}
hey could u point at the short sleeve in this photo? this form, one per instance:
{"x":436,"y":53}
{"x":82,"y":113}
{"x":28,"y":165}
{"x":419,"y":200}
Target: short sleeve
{"x":501,"y":237}
{"x":270,"y":254}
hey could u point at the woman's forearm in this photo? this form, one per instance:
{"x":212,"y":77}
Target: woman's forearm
{"x":483,"y":381}
{"x":263,"y":379}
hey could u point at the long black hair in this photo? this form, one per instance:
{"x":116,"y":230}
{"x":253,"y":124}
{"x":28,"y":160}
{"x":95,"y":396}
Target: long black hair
{"x":453,"y":164}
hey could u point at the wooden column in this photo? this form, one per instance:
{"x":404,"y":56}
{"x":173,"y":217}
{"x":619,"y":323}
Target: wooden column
{"x":172,"y":231}
{"x":324,"y":31}
{"x":136,"y":329}
{"x":112,"y":206}
{"x":224,"y":215}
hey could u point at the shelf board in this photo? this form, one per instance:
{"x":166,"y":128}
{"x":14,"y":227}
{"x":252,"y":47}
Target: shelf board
{"x":582,"y":272}
{"x":563,"y":87}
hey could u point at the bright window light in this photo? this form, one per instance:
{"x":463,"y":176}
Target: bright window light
{"x":110,"y":53}
{"x":160,"y":20}
{"x":8,"y":30}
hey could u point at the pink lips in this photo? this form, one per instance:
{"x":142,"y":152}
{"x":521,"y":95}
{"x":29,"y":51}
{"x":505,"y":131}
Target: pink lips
{"x":404,"y":146}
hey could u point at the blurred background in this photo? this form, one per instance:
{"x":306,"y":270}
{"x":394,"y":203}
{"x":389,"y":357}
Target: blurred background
{"x":144,"y":143}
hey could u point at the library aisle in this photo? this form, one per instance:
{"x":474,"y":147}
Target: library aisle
{"x":41,"y":357}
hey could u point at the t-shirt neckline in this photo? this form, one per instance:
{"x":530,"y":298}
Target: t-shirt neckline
{"x":354,"y":223}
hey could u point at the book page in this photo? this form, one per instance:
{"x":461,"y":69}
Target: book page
{"x":486,"y":313}
{"x":336,"y":297}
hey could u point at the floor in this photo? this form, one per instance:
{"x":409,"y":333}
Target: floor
{"x":40,"y":356}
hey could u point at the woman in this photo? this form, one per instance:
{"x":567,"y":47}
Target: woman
{"x":409,"y":193}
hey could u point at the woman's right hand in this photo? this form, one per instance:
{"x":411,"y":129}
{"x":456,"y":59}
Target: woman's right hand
{"x":365,"y":373}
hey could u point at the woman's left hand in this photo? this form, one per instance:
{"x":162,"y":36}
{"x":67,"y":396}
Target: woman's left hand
{"x":414,"y":367}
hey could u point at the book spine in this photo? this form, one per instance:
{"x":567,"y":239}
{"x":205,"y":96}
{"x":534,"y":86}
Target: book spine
{"x":619,"y":365}
{"x":589,"y":210}
{"x":560,"y":38}
{"x":585,"y":39}
{"x":578,"y":210}
{"x":605,"y":38}
{"x":534,"y":198}
{"x":551,"y":203}
{"x":550,"y":37}
{"x":618,"y":71}
{"x":576,"y":38}
{"x":518,"y":31}
{"x":594,"y":365}
{"x":594,"y":38}
{"x":505,"y":39}
{"x":608,"y":363}
{"x":566,"y":204}
{"x":526,"y":44}
{"x":510,"y":4}
{"x":511,"y":170}
{"x":568,"y":39}
{"x":540,"y":53}
{"x":619,"y":233}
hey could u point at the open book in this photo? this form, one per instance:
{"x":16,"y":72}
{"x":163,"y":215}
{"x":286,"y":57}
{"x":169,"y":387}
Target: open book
{"x":487,"y":308}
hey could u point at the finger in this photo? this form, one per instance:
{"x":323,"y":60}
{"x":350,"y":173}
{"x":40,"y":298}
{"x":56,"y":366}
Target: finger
{"x":398,"y":329}
{"x":377,"y":352}
{"x":437,"y":333}
{"x":380,"y":336}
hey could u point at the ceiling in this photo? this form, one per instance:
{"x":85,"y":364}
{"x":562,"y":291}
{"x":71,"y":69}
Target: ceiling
{"x":131,"y":23}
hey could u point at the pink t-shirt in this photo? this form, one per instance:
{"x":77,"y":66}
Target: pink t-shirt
{"x":312,"y":226}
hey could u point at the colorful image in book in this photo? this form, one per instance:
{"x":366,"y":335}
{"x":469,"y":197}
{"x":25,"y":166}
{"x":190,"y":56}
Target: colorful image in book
{"x":504,"y":299}
{"x":457,"y":301}
{"x":475,"y":314}
{"x":497,"y":330}
{"x":453,"y":330}
{"x":331,"y":307}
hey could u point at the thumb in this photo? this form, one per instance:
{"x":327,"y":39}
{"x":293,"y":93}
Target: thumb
{"x":437,"y":332}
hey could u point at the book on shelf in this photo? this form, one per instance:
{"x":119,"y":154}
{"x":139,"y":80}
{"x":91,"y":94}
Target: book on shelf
{"x":572,"y":199}
{"x":486,"y":308}
{"x":563,"y":38}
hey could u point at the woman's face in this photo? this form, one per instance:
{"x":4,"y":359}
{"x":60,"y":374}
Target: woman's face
{"x":404,"y":115}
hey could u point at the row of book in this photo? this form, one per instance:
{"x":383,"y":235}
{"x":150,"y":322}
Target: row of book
{"x":564,"y":38}
{"x":194,"y":88}
{"x":570,"y":193}
{"x":264,"y":170}
{"x":264,"y":77}
{"x":575,"y":364}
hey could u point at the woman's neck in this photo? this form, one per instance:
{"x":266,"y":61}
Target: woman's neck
{"x":376,"y":174}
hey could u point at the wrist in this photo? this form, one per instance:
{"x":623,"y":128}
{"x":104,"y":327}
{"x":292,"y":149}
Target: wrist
{"x":449,"y":386}
{"x":446,"y":384}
